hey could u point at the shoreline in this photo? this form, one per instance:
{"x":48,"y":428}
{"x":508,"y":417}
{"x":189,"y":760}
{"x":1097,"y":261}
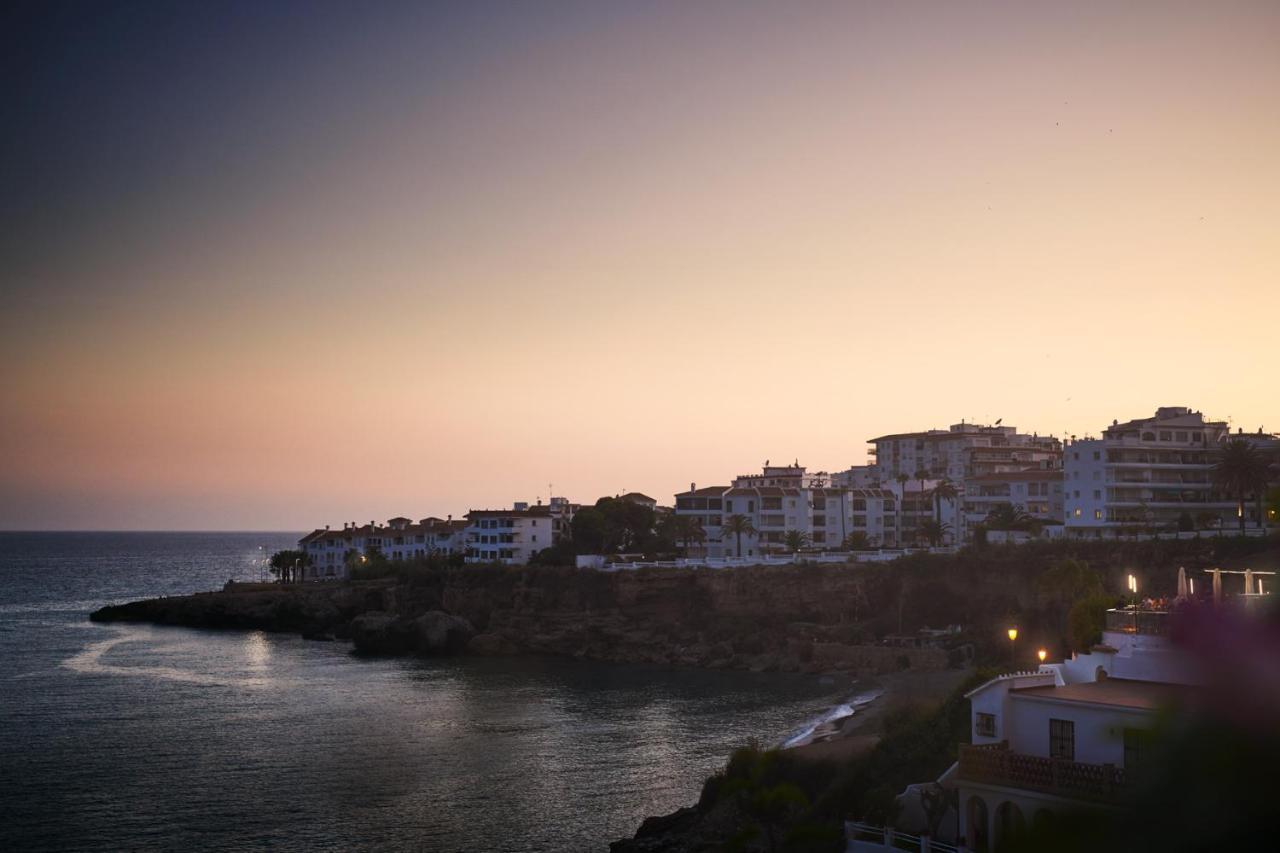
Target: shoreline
{"x":848,"y":736}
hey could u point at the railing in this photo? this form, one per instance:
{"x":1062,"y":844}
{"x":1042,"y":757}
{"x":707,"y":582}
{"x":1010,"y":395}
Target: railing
{"x":994,"y":763}
{"x":1129,"y":621}
{"x":892,"y":839}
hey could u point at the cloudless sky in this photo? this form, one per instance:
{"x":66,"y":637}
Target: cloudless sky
{"x":275,"y":265}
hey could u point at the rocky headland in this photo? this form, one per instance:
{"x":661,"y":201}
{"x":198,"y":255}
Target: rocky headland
{"x":769,"y":618}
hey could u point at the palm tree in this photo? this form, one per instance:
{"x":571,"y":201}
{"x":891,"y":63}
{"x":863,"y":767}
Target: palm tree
{"x":1006,"y":516}
{"x":738,"y":525}
{"x":856,"y":541}
{"x":934,"y":531}
{"x":1241,"y":468}
{"x":795,"y":540}
{"x":902,"y":479}
{"x":687,"y":529}
{"x":944,"y":491}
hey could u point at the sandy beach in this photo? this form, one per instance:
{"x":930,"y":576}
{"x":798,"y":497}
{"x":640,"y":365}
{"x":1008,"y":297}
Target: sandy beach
{"x":848,"y":736}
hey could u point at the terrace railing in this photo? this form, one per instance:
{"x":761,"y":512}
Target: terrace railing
{"x":995,"y":764}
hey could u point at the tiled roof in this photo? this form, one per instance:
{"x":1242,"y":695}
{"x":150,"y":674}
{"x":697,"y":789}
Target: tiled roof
{"x":531,"y":512}
{"x":704,"y":492}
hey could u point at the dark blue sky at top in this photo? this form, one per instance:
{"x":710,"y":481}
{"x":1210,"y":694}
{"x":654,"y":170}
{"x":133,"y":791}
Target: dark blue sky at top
{"x":105,"y":102}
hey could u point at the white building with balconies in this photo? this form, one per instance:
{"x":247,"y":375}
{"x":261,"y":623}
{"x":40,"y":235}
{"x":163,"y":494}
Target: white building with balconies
{"x":1155,"y":473}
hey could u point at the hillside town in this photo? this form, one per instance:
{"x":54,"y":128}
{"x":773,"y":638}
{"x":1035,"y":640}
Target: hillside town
{"x":1176,"y":472}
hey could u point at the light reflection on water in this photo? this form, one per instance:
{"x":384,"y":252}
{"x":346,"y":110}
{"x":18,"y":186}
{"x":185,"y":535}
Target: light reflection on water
{"x":139,"y":737}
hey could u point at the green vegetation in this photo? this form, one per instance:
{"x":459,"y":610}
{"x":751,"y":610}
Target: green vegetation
{"x":738,"y":526}
{"x":1241,"y":468}
{"x":288,"y":564}
{"x":795,"y":804}
{"x":795,"y":540}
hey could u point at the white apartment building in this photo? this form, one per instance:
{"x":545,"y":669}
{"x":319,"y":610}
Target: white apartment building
{"x":1037,"y":492}
{"x":1151,"y":471}
{"x":512,"y":536}
{"x":962,"y":451}
{"x":398,"y":539}
{"x":706,"y":507}
{"x":781,"y":499}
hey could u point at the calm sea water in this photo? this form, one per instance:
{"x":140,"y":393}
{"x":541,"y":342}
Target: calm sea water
{"x":136,"y":737}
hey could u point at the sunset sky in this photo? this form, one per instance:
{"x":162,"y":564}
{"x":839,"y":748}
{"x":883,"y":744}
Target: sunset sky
{"x":274,"y":265}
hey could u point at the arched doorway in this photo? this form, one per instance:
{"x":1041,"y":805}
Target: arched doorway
{"x":976,"y":824}
{"x":1009,"y":822}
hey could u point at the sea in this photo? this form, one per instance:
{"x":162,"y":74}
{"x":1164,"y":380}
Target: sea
{"x":136,"y":737}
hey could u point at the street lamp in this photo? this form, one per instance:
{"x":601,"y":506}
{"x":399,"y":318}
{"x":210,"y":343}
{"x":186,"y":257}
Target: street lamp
{"x":1133,"y":591}
{"x":1013,"y":647}
{"x":1042,"y":654}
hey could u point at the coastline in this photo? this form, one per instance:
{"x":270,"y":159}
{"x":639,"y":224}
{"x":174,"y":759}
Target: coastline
{"x":845,"y":736}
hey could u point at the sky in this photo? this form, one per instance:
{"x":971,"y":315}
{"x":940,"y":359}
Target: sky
{"x":277,"y":265}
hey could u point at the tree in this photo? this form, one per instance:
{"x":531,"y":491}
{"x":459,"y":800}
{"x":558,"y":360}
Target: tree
{"x":1273,"y":505}
{"x":856,"y":541}
{"x":288,"y":564}
{"x":1087,"y":619}
{"x":795,"y":540}
{"x":944,"y":491}
{"x":1205,"y":520}
{"x":1006,"y":516}
{"x":902,"y":480}
{"x":737,"y":526}
{"x":685,"y":529}
{"x":1240,"y":468}
{"x":934,"y":531}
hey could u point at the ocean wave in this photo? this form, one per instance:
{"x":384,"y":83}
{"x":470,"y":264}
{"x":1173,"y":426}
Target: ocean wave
{"x":845,"y":709}
{"x":89,"y":661}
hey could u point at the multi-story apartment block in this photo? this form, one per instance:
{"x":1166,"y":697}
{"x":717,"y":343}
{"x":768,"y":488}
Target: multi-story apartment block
{"x":1154,"y":471}
{"x":782,"y":499}
{"x":706,"y":507}
{"x":1037,"y":492}
{"x":512,"y":536}
{"x":962,"y":451}
{"x":399,"y":539}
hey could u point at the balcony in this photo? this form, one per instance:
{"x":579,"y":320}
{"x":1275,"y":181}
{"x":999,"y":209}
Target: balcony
{"x":996,"y":765}
{"x":1127,"y":620}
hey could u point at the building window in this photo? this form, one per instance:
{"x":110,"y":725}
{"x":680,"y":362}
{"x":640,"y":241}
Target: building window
{"x":1077,"y":513}
{"x":1097,"y":515}
{"x":984,"y":725}
{"x":1062,"y":739}
{"x":1097,"y":456}
{"x":1135,"y":746}
{"x":1097,"y":494}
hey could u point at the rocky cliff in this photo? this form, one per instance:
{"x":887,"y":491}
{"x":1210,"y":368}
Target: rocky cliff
{"x":788,"y":618}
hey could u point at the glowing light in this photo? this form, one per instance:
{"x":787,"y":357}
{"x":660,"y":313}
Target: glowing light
{"x":1013,"y":634}
{"x":1042,"y":654}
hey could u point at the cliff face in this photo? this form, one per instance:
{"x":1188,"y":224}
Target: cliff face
{"x":775,"y":617}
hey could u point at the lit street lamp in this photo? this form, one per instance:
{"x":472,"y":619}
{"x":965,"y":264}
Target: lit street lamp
{"x":1042,"y":654}
{"x":1013,"y":647}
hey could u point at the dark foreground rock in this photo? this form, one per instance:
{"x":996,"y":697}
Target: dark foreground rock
{"x":432,"y":633}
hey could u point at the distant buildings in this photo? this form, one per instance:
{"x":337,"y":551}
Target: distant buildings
{"x":332,"y":553}
{"x":962,"y":451}
{"x":1151,"y":472}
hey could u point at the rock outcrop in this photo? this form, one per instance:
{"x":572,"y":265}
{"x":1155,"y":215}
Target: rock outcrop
{"x":766,"y":618}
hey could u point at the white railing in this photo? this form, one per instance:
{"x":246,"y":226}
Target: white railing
{"x":888,"y":838}
{"x":828,"y":557}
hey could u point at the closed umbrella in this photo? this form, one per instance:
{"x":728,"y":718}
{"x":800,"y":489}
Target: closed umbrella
{"x":1182,"y":581}
{"x":1248,"y":582}
{"x":1217,"y":584}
